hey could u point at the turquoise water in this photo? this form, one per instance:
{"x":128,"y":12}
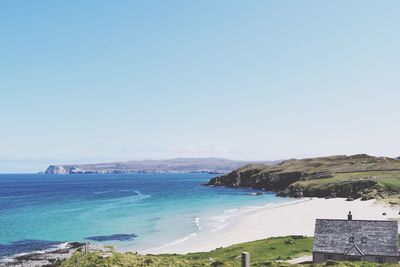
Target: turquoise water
{"x":145,"y":210}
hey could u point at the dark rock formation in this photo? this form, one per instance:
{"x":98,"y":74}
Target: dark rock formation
{"x":47,"y":257}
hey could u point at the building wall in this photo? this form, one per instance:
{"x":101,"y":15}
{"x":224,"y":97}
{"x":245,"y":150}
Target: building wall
{"x":320,"y":257}
{"x":387,"y":259}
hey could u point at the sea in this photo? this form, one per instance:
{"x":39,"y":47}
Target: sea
{"x":136,"y":211}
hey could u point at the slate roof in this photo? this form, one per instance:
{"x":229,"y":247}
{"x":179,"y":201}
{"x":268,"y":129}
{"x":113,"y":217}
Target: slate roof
{"x":333,"y":236}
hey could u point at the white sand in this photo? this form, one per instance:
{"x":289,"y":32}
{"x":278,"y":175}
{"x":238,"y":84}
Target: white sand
{"x":295,"y":218}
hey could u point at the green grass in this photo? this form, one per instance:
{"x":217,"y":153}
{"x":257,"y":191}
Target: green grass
{"x":263,"y":253}
{"x":280,"y":248}
{"x":266,"y":252}
{"x":114,"y":259}
{"x":385,"y":178}
{"x":383,"y":184}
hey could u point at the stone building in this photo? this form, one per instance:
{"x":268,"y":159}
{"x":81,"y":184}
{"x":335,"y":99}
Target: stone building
{"x":355,"y":240}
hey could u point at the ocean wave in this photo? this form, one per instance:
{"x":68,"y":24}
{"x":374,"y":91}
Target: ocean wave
{"x":128,"y":199}
{"x":10,"y":259}
{"x":132,"y":198}
{"x":142,"y":196}
{"x":218,"y":228}
{"x":175,"y":242}
{"x":102,"y":192}
{"x":197,"y":223}
{"x":230,"y":211}
{"x":222,"y":220}
{"x":23,"y":247}
{"x":111,"y":204}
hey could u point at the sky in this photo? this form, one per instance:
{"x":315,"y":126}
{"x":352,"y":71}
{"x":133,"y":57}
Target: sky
{"x":96,"y":81}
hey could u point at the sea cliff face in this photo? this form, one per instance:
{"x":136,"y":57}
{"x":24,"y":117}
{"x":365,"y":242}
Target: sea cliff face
{"x":336,"y":176}
{"x":60,"y":169}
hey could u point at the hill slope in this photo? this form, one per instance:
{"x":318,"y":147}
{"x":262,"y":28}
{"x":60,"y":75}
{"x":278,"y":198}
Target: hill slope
{"x":214,"y":165}
{"x":335,"y":176}
{"x":263,"y":253}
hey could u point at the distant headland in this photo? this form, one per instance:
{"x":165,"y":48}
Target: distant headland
{"x":176,"y":165}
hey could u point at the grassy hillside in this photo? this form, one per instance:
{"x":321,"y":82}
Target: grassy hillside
{"x":267,"y":252}
{"x":357,"y":176}
{"x":367,"y":185}
{"x":263,"y":253}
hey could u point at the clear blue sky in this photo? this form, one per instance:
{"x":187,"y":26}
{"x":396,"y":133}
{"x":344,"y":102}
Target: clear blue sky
{"x":87,"y":81}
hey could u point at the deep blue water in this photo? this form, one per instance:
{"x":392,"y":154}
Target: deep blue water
{"x":142,"y":210}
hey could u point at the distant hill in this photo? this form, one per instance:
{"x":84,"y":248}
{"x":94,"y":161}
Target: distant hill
{"x":356,"y":176}
{"x":177,"y":165}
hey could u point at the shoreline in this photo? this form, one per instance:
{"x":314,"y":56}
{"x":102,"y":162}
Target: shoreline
{"x":245,"y":224}
{"x":49,"y":256}
{"x":273,"y":220}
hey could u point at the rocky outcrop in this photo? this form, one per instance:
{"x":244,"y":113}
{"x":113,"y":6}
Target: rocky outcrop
{"x":49,"y":258}
{"x":353,"y":189}
{"x":311,"y":177}
{"x":253,"y":179}
{"x":60,"y":169}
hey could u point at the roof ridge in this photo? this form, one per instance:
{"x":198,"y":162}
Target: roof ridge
{"x":391,"y":221}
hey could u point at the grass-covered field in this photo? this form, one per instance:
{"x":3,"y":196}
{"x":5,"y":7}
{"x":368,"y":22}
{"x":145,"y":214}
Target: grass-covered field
{"x":267,"y":252}
{"x":382,"y":184}
{"x":263,"y":253}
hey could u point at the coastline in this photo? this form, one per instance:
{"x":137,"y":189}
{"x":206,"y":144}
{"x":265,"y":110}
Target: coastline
{"x":47,"y":257}
{"x":51,"y":256}
{"x":239,"y":225}
{"x":272,"y":220}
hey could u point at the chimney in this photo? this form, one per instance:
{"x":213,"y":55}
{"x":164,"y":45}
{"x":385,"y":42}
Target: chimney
{"x":349,"y":216}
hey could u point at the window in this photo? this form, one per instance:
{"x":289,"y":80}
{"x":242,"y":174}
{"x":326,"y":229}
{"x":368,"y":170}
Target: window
{"x":380,"y":259}
{"x":328,"y":257}
{"x":351,"y":239}
{"x":363,"y":240}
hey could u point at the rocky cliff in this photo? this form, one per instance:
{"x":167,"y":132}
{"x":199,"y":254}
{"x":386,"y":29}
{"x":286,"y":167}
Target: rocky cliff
{"x":336,"y":176}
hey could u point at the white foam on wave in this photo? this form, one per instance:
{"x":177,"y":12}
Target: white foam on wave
{"x":63,"y":245}
{"x":102,"y":192}
{"x":6,"y":260}
{"x":139,"y":193}
{"x":110,"y":204}
{"x":230,"y":211}
{"x":10,"y":259}
{"x":197,"y":223}
{"x":175,"y":242}
{"x":218,"y":228}
{"x":217,"y":221}
{"x":127,"y":199}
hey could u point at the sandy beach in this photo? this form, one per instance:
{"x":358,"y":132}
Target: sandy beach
{"x":293,"y":218}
